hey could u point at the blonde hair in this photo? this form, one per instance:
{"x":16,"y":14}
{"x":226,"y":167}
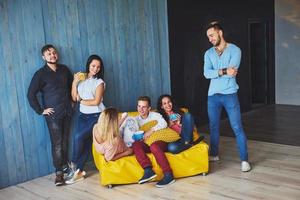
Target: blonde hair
{"x":107,"y":127}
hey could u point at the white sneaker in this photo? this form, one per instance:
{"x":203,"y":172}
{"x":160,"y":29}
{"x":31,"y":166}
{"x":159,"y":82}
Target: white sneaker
{"x":214,"y":158}
{"x":245,"y":166}
{"x":78,"y":176}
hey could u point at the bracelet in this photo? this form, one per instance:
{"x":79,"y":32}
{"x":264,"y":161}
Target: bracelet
{"x":224,"y":71}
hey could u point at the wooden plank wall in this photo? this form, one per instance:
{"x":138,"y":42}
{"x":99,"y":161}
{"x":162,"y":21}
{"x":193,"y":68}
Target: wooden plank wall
{"x":130,"y":35}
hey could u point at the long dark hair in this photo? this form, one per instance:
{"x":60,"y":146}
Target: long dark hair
{"x":100,"y":74}
{"x":162,"y":111}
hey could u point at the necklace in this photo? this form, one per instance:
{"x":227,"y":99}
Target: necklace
{"x":220,"y":51}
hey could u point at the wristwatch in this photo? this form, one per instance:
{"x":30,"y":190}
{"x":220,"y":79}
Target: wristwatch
{"x":224,"y":71}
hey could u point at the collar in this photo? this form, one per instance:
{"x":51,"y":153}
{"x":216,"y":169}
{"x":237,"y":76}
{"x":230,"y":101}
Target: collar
{"x":49,"y":69}
{"x":220,"y":52}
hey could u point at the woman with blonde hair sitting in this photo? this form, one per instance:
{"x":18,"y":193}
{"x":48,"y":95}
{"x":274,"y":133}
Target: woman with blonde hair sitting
{"x":107,"y":138}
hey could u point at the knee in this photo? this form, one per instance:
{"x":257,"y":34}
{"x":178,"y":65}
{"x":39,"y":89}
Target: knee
{"x":188,"y":117}
{"x":136,"y":146}
{"x":172,"y":148}
{"x":237,"y":128}
{"x":57,"y":149}
{"x":155,"y":147}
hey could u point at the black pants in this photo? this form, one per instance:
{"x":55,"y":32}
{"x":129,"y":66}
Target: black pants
{"x":59,"y":130}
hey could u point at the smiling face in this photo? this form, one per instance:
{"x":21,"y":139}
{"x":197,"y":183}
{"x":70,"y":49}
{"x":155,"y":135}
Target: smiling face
{"x":94,"y":67}
{"x":214,"y":36}
{"x":166,"y":104}
{"x":50,"y":56}
{"x":143,"y":108}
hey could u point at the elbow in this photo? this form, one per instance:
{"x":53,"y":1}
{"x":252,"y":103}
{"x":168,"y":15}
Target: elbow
{"x":29,"y":95}
{"x":206,"y":75}
{"x":74,"y":95}
{"x":108,"y":158}
{"x":165,"y":125}
{"x":74,"y":98}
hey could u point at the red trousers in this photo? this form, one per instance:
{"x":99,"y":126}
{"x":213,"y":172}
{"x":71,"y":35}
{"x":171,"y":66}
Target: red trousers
{"x":157,"y":148}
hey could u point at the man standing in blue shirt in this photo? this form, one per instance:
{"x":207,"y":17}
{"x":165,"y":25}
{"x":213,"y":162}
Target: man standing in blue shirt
{"x":221,"y":63}
{"x":54,"y":82}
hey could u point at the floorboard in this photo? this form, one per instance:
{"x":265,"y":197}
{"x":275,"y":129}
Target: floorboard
{"x":275,"y":175}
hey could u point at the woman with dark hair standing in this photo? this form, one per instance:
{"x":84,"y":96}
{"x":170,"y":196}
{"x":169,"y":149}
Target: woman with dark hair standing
{"x":179,"y":121}
{"x":87,"y":89}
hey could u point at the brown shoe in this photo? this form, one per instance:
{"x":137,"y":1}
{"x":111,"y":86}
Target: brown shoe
{"x":59,"y":180}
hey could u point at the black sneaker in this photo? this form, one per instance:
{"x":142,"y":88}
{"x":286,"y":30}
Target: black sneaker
{"x":148,"y":175}
{"x":167,"y":180}
{"x":59,"y":180}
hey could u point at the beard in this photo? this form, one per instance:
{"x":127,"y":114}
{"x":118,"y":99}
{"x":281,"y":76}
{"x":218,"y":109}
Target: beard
{"x":49,"y":62}
{"x":53,"y":62}
{"x":218,"y":42}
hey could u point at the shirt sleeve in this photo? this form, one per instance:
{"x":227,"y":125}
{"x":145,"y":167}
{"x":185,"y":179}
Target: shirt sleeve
{"x":209,"y":71}
{"x":235,"y":58}
{"x":34,"y":88}
{"x":100,"y":81}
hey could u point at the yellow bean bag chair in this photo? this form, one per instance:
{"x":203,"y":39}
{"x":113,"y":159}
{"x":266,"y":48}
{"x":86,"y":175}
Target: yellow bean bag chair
{"x":127,"y":170}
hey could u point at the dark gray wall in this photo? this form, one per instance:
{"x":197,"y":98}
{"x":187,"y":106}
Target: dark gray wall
{"x":130,"y":35}
{"x":188,"y":43}
{"x":287,"y":37}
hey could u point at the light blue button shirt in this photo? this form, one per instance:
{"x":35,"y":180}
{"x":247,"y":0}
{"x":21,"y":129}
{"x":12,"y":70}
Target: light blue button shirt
{"x":231,"y":57}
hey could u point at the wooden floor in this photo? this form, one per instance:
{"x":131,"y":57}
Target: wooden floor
{"x":275,"y":175}
{"x":272,"y":123}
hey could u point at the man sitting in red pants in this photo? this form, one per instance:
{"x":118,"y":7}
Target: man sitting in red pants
{"x":140,"y":148}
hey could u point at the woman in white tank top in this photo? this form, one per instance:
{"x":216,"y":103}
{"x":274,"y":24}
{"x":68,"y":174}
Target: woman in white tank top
{"x":87,"y":89}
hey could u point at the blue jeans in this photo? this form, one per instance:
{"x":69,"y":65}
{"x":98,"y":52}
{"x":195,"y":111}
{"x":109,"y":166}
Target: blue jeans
{"x":82,"y":142}
{"x":186,"y":135}
{"x":232,"y":106}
